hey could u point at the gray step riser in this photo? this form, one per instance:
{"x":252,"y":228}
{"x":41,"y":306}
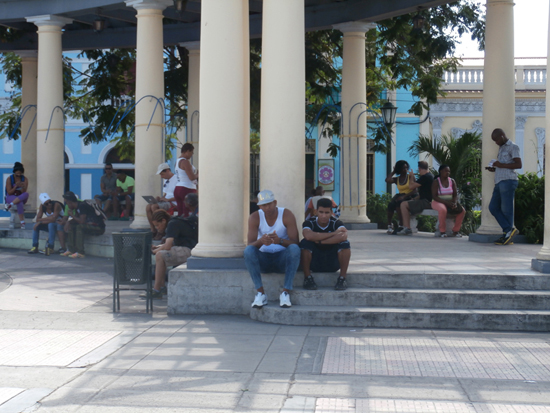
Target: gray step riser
{"x":436,"y":281}
{"x":491,"y":322}
{"x":422,"y":300}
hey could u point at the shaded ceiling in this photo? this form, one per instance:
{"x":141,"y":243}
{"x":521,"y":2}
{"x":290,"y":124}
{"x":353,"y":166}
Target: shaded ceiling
{"x":120,"y":20}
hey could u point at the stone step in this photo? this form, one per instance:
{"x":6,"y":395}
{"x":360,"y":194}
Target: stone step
{"x":534,"y":281}
{"x":425,"y":298}
{"x":399,"y":317}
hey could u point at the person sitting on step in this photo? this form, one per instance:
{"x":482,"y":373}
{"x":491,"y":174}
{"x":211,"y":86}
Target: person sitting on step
{"x":49,"y":219}
{"x":125,"y":192}
{"x":325,"y":246}
{"x":402,"y":179}
{"x":272,"y":247}
{"x":83,"y":219}
{"x":16,"y":191}
{"x":182,"y":234}
{"x":166,"y":202}
{"x":422,"y":202}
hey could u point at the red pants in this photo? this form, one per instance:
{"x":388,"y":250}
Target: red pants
{"x":180,"y":193}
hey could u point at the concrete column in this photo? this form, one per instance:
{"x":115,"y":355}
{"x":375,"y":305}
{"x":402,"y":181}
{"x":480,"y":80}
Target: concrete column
{"x":542,"y":262}
{"x":149,"y":129}
{"x":29,"y":63}
{"x":223,"y":78}
{"x":193,"y":98}
{"x":282,"y":153}
{"x":50,"y":136}
{"x":354,"y":134}
{"x":498,"y":96}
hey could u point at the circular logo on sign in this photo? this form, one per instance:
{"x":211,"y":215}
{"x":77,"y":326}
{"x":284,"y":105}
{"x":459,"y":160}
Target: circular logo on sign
{"x":326,"y":175}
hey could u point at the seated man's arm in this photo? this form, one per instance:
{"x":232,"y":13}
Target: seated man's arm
{"x":168,"y":244}
{"x":253,"y":226}
{"x":313,"y":236}
{"x":289,"y":221}
{"x":80,"y":219}
{"x":130,"y":190}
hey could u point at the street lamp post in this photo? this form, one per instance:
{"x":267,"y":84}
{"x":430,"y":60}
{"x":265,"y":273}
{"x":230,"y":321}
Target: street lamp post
{"x":389,"y":111}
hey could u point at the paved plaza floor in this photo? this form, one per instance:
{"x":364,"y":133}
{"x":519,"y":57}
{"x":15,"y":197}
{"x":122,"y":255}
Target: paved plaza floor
{"x":63,"y":350}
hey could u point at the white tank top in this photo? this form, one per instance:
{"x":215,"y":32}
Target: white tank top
{"x":278,"y":227}
{"x":183,"y":179}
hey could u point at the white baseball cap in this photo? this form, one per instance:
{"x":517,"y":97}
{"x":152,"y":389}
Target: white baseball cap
{"x":162,"y":167}
{"x":44,"y":197}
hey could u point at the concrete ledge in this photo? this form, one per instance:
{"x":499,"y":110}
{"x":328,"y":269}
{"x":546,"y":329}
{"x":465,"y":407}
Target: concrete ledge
{"x":196,"y":263}
{"x":218,"y":291}
{"x":101,"y":246}
{"x":540,"y":265}
{"x":490,"y":238}
{"x":354,"y":226}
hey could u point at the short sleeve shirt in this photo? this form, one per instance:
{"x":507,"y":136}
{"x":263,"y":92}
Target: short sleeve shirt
{"x":109,"y":183}
{"x":332,"y":226}
{"x":169,"y":187}
{"x":91,"y":217}
{"x":127,"y":183}
{"x":425,"y":190}
{"x":180,"y":230}
{"x":506,"y":154}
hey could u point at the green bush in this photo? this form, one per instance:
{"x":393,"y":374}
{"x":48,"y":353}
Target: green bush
{"x":529,"y":207}
{"x":377,"y":208}
{"x":426,"y":223}
{"x":472,"y":221}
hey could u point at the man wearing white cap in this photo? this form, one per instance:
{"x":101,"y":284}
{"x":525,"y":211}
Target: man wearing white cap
{"x":48,"y":219}
{"x":272,"y":247}
{"x":166,"y":201}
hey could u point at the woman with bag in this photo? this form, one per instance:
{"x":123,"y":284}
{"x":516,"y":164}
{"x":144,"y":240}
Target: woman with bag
{"x":444,"y":201}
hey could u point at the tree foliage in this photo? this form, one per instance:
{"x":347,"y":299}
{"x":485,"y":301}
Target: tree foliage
{"x":398,"y":56}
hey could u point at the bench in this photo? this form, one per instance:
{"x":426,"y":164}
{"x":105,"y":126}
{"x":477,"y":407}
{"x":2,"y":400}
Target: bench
{"x":450,"y":222}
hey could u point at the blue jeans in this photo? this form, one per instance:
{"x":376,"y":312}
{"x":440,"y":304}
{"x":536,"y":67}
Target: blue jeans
{"x":285,"y":262}
{"x":502,"y":203}
{"x":50,"y":228}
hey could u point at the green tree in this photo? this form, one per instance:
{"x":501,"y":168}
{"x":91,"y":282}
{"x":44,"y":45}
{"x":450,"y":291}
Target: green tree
{"x":398,"y":56}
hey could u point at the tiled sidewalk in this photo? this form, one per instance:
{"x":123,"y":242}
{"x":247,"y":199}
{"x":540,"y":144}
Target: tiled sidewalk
{"x":419,"y":357}
{"x":325,"y":405}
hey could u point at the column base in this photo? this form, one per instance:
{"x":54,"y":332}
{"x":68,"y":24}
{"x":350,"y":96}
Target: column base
{"x":140,"y":222}
{"x":196,"y":263}
{"x":489,"y":230}
{"x":353,"y":217}
{"x":484,"y":238}
{"x":203,"y":250}
{"x":542,"y":266}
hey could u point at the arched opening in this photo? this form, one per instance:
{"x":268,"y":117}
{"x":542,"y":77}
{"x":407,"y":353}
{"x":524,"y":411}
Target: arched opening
{"x":67,"y":186}
{"x":113,"y":157}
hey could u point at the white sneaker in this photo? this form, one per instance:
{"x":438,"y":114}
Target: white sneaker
{"x":390,"y":229}
{"x":7,"y":207}
{"x":285,"y":300}
{"x":260,"y":300}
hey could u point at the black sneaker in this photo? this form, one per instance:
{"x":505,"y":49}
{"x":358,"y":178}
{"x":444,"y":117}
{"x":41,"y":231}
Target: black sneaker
{"x":309,"y":283}
{"x":61,"y":250}
{"x":157,"y":295}
{"x":341,"y":284}
{"x":509,"y":236}
{"x":500,"y":241}
{"x":33,"y":250}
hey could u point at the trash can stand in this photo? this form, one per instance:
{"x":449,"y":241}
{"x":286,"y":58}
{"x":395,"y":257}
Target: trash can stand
{"x":133,"y":264}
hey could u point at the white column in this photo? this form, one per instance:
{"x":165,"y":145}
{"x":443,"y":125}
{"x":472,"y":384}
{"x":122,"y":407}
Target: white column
{"x":50,"y":136}
{"x":224,"y":90}
{"x":498,"y":96}
{"x":544,"y":253}
{"x":354,"y":134}
{"x":149,"y":129}
{"x":29,"y":66}
{"x":193,"y":98}
{"x":520,"y":138}
{"x":282,"y":153}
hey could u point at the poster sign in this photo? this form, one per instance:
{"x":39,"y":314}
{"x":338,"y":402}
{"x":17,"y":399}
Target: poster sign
{"x":326,"y":174}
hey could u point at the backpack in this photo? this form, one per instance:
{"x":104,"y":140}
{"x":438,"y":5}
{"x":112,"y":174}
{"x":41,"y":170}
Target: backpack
{"x":97,"y":209}
{"x":189,"y":231}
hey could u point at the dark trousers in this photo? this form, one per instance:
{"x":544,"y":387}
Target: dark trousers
{"x":75,"y":239}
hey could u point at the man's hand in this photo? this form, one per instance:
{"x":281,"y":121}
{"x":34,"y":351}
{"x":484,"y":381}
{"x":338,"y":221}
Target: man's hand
{"x":274,"y":238}
{"x":36,"y":226}
{"x":266,"y":239}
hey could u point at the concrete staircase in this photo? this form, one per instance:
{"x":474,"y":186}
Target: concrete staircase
{"x":431,"y":301}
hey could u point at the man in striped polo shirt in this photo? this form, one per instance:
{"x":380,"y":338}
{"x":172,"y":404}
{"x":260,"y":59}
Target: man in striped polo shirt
{"x":506,"y":182}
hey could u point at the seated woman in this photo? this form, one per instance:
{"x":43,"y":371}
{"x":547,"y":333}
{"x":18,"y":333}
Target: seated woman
{"x":444,"y":201}
{"x":16,"y":191}
{"x":403,"y":178}
{"x":49,"y":218}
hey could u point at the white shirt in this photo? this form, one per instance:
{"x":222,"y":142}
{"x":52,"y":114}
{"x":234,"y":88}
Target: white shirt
{"x":169,"y":187}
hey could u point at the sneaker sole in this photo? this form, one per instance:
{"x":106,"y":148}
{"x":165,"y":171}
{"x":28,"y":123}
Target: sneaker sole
{"x":511,"y":237}
{"x":286,"y":306}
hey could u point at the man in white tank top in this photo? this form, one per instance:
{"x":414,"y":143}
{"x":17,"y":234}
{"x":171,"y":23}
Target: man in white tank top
{"x":272,"y":247}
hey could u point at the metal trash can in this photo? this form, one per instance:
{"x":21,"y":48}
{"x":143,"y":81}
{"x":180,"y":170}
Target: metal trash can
{"x":132,"y":264}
